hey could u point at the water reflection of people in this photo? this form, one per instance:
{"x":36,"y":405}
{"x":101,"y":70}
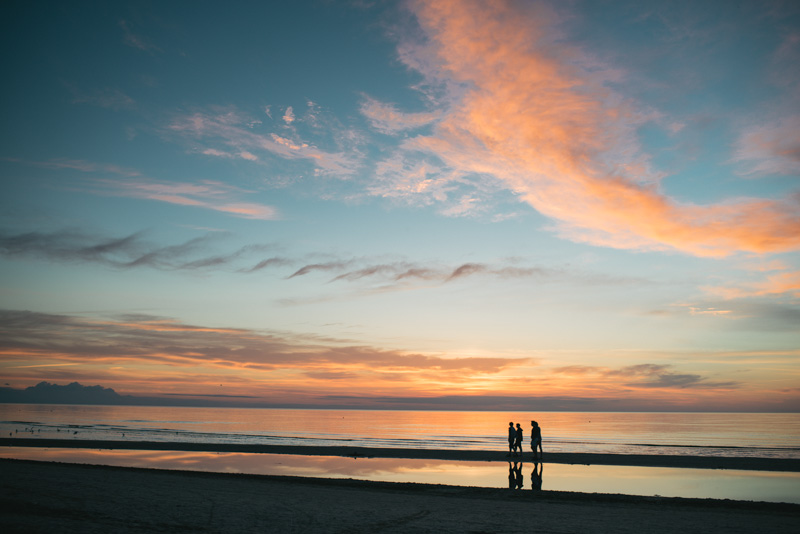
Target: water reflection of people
{"x":515,"y":477}
{"x":536,"y":477}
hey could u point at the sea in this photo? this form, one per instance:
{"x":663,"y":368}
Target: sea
{"x":763,"y":435}
{"x":700,"y":434}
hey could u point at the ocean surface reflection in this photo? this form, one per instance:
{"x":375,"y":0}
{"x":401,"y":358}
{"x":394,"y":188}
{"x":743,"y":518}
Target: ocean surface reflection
{"x":517,"y":476}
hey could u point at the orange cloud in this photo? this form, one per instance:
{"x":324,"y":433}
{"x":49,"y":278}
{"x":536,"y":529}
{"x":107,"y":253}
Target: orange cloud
{"x":527,"y":110}
{"x":148,"y":347}
{"x":153,"y":356}
{"x":776,"y":284}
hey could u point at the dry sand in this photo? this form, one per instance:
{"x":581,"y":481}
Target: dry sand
{"x":52,"y":497}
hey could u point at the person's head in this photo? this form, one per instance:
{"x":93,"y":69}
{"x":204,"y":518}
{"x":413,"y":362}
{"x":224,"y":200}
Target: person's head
{"x":511,"y":423}
{"x":518,"y":426}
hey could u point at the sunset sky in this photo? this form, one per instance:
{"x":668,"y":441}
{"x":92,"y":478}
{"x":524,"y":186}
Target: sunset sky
{"x":578,"y":205}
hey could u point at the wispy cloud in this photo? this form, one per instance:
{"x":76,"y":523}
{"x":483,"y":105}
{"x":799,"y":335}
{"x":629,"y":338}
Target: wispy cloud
{"x":404,"y":271}
{"x":649,"y":375}
{"x":80,"y":165}
{"x":772,"y":148}
{"x":388,"y":119}
{"x":775,"y":284}
{"x":203,"y":254}
{"x":207,"y":194}
{"x":126,"y":252}
{"x":231,"y":134}
{"x":107,"y":97}
{"x":135,"y":40}
{"x":537,"y":115}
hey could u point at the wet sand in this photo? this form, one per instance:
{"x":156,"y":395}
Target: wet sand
{"x":54,"y":497}
{"x":641,"y":460}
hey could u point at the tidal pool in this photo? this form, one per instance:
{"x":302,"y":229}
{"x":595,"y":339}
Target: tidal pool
{"x":648,"y":481}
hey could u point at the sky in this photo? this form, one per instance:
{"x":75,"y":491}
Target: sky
{"x":572,"y":205}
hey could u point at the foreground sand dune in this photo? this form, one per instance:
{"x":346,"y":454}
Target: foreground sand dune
{"x":52,"y":497}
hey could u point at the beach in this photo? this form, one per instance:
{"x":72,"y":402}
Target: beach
{"x":54,"y":497}
{"x":40,"y":496}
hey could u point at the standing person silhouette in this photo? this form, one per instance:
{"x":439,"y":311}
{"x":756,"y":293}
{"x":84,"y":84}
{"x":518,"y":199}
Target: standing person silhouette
{"x":536,"y":439}
{"x":518,"y":439}
{"x":512,"y":438}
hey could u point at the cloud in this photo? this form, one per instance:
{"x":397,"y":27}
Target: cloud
{"x":311,"y":267}
{"x":649,"y":376}
{"x":775,"y":284}
{"x":527,"y":109}
{"x":231,"y":134}
{"x":142,"y":340}
{"x":387,"y":119}
{"x":151,"y":355}
{"x":107,"y":97}
{"x":136,"y":41}
{"x":126,"y":252}
{"x":288,"y":116}
{"x":80,"y":165}
{"x":269,"y":262}
{"x":207,"y":194}
{"x":770,"y":148}
{"x":202,"y":254}
{"x":400,"y":271}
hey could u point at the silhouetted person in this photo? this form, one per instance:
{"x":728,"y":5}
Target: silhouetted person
{"x":512,"y":438}
{"x":536,"y":478}
{"x":536,"y":439}
{"x":518,"y":439}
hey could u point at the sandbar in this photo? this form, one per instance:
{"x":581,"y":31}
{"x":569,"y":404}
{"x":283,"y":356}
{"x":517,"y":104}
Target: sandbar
{"x":641,"y":460}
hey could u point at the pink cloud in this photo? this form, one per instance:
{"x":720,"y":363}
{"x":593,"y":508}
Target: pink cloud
{"x":777,"y":284}
{"x":249,"y":210}
{"x":207,"y":194}
{"x":387,"y":119}
{"x":772,"y":148}
{"x":529,"y":111}
{"x":230,"y":134}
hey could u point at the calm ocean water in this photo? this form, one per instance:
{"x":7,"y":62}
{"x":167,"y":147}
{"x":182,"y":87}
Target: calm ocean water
{"x":708,"y":434}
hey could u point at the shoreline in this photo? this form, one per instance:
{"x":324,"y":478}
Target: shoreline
{"x":47,"y":496}
{"x":639,"y":460}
